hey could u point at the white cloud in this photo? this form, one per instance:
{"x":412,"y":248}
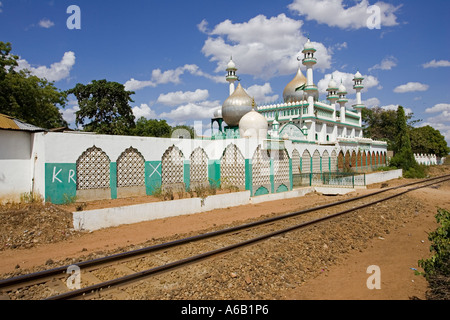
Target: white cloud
{"x":411,"y":87}
{"x":180,"y":97}
{"x":192,"y":111}
{"x":169,"y":76}
{"x":394,"y":107}
{"x":46,"y":23}
{"x":436,"y":64}
{"x":144,"y":111}
{"x":347,"y":81}
{"x":386,"y":64}
{"x":335,"y":14}
{"x":262,"y":93}
{"x":69,"y":113}
{"x":438,"y":108}
{"x":57,"y":71}
{"x":1,"y":5}
{"x":262,"y":47}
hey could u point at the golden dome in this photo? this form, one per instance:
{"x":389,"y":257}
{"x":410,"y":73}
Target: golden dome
{"x":289,"y":93}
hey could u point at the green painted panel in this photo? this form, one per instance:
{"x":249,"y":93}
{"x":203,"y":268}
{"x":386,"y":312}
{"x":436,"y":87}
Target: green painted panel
{"x":248,"y":175}
{"x":60,"y":182}
{"x":272,"y":177}
{"x":187,"y":174}
{"x":113,"y":179}
{"x":291,"y":178}
{"x":282,"y":188}
{"x":152,"y":176}
{"x":260,"y":191}
{"x":214,"y":172}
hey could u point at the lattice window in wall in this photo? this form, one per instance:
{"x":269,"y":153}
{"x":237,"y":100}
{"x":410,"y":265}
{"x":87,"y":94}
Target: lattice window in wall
{"x":172,"y":166}
{"x":232,"y":167}
{"x":280,"y":166}
{"x":199,"y":166}
{"x":325,"y":161}
{"x":333,"y":160}
{"x":295,"y":162}
{"x":130,"y":168}
{"x":306,"y":162}
{"x":316,"y":162}
{"x":261,"y":167}
{"x":93,"y":170}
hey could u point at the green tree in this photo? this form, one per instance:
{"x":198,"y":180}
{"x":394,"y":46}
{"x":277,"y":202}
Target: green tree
{"x":152,"y":128}
{"x":104,"y":107}
{"x":428,"y":140}
{"x":27,"y":97}
{"x":403,"y":154}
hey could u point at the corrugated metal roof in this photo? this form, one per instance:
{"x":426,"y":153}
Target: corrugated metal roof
{"x":6,"y":122}
{"x":9,"y":123}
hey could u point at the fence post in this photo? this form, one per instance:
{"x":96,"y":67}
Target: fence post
{"x":353,"y":180}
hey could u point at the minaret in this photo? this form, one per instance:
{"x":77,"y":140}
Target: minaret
{"x":332,"y":95}
{"x":358,"y":86}
{"x":309,"y":61}
{"x":231,"y":75}
{"x":342,"y":93}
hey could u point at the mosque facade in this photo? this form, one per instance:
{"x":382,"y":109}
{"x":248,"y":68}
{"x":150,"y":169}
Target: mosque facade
{"x":301,"y":118}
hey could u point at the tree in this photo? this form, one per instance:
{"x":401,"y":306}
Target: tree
{"x":380,"y":124}
{"x":152,"y":128}
{"x":104,"y":107}
{"x":27,"y":97}
{"x":403,"y":154}
{"x":428,"y":140}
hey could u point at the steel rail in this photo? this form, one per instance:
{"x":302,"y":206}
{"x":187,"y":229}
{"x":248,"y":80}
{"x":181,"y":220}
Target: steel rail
{"x":196,"y":258}
{"x":15,"y":281}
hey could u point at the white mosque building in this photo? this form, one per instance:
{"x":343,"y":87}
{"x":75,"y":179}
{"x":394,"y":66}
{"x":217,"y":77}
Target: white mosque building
{"x":302,"y":118}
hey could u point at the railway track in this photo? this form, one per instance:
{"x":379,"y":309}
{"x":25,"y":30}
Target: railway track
{"x":135,"y":265}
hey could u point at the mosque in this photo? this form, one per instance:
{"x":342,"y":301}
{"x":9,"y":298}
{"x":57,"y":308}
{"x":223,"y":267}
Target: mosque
{"x":302,"y":118}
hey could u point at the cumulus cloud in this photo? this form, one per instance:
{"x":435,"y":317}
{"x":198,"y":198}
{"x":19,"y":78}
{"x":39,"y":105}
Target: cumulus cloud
{"x":394,"y":107}
{"x":411,"y":87}
{"x":436,"y":64}
{"x":192,"y":111}
{"x":438,"y":108}
{"x":180,"y":97}
{"x":145,"y":111}
{"x":347,"y":81}
{"x":169,"y":76}
{"x":262,"y":47}
{"x":386,"y":64}
{"x":262,"y":94}
{"x":56,"y":72}
{"x":46,"y":23}
{"x":335,"y":13}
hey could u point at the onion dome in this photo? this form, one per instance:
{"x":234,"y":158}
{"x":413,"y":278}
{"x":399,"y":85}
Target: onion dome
{"x":332,"y":85}
{"x":358,"y":76}
{"x":308,"y":46}
{"x":218,"y":114}
{"x":342,"y":89}
{"x":253,"y":125}
{"x":236,"y":106}
{"x":231,"y":65}
{"x":290,"y":94}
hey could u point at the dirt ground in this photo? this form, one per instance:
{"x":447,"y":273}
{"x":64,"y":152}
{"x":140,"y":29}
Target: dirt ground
{"x":48,"y":241}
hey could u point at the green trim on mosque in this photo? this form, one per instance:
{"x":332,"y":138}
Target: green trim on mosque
{"x":187,"y":174}
{"x":153,"y":176}
{"x":214,"y":173}
{"x":248,"y":175}
{"x":113,"y":179}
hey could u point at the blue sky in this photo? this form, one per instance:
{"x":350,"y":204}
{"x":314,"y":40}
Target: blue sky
{"x":173,"y":53}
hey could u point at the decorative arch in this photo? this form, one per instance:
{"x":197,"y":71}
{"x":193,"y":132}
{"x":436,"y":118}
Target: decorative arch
{"x":316,"y":162}
{"x":353,"y":159}
{"x":261,"y":168}
{"x":199,"y":168}
{"x":334,"y":161}
{"x":93,"y":169}
{"x":232,"y":167}
{"x":280,"y":166}
{"x":295,"y":162}
{"x":306,"y":162}
{"x":341,"y":161}
{"x":172,"y":167}
{"x":130,"y":168}
{"x":325,"y":161}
